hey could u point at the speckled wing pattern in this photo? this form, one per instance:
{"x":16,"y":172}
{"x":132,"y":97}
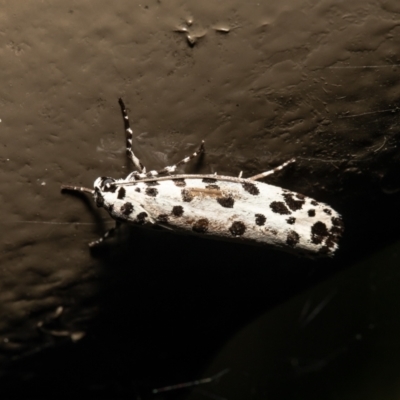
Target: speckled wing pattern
{"x":241,"y":210}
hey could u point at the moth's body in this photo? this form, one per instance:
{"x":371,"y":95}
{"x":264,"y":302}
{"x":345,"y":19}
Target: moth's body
{"x":220,"y":207}
{"x":241,"y":210}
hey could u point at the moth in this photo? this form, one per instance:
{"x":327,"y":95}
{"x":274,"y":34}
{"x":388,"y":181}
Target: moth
{"x":238,"y":209}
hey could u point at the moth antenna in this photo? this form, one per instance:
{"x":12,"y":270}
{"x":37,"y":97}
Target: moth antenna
{"x":72,"y":188}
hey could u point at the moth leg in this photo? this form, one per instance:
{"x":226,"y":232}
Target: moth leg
{"x":272,"y":171}
{"x":108,"y":234}
{"x":129,"y":132}
{"x":172,"y":168}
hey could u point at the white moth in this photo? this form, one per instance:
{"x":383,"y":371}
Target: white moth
{"x":221,"y":207}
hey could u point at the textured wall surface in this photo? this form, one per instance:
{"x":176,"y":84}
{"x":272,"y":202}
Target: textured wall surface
{"x":260,"y":82}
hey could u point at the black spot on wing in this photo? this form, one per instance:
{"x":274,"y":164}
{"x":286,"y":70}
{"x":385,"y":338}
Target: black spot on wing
{"x":338,"y":226}
{"x":186,"y":195}
{"x":292,"y":238}
{"x":201,"y":225}
{"x":293,"y":204}
{"x":311,"y":212}
{"x":226,"y":202}
{"x":319,"y":232}
{"x":209,"y":180}
{"x":291,"y":220}
{"x":279,"y":207}
{"x":141,"y":218}
{"x":328,"y":211}
{"x":152,"y":183}
{"x":300,"y":196}
{"x":121,"y":193}
{"x":177,"y":211}
{"x":180,"y":182}
{"x":260,"y":219}
{"x":314,"y":203}
{"x":127,"y":208}
{"x":251,"y":188}
{"x":162,"y":218}
{"x":335,"y":232}
{"x":137,"y":190}
{"x":238,"y":228}
{"x":151,"y":192}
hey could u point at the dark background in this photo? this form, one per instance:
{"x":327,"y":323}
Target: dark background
{"x":260,"y":82}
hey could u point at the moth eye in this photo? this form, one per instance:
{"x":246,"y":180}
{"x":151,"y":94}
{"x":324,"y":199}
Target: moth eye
{"x":108,"y":185}
{"x":108,"y":182}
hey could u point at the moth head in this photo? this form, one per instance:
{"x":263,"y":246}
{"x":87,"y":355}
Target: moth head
{"x":103,"y":188}
{"x":113,"y":196}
